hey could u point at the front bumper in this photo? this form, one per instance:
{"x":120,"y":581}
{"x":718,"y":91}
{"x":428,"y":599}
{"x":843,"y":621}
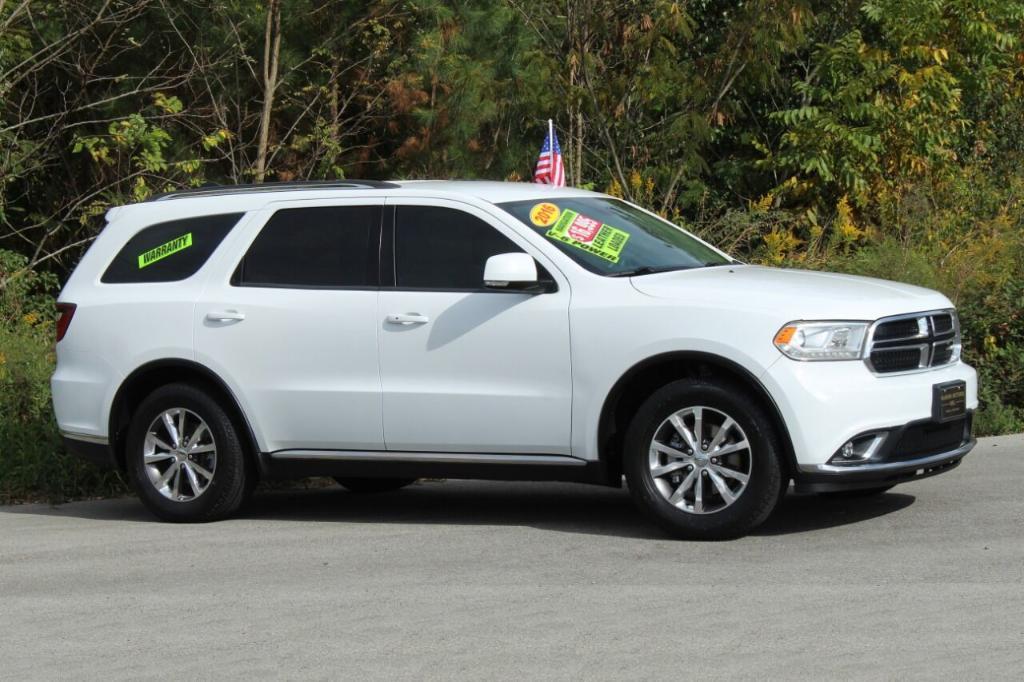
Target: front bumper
{"x":894,"y":462}
{"x":826,"y":404}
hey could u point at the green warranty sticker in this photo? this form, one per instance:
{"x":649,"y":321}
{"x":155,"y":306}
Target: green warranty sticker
{"x":164,"y":250}
{"x":590,"y":235}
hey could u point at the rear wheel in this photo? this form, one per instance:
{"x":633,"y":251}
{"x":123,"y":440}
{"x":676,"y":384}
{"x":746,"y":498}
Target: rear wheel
{"x":373,"y":485}
{"x":702,"y":461}
{"x":184,"y":456}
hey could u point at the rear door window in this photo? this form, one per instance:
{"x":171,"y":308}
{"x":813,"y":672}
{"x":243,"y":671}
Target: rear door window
{"x":317,"y":247}
{"x":169,"y":251}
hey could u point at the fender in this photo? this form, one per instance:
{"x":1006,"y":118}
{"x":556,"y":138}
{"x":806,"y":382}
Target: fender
{"x":695,"y":363}
{"x":164,"y":371}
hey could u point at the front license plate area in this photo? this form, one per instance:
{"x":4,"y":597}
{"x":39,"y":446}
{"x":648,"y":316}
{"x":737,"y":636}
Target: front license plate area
{"x":949,"y":401}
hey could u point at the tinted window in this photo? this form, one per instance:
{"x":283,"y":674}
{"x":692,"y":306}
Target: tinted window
{"x":171,"y":251}
{"x":330,"y":246}
{"x":441,"y":248}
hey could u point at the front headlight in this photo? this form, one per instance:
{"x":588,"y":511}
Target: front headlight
{"x":822,"y":340}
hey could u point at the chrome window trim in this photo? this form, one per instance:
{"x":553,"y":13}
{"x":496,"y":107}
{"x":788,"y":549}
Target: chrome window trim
{"x":927,"y":349}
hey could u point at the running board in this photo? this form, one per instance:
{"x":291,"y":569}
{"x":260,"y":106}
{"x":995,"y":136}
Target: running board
{"x":438,"y":457}
{"x":284,"y":464}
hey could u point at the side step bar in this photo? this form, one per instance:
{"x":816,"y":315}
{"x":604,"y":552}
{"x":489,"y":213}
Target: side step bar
{"x":439,"y":457}
{"x":511,"y":467}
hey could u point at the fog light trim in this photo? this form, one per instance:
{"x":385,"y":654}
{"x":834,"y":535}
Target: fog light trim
{"x":858,"y":450}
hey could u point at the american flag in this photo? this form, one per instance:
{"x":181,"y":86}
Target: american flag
{"x":550,"y":170}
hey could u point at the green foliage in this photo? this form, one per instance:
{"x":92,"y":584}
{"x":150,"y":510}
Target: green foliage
{"x":467,"y":83}
{"x":32,"y":465}
{"x":135,"y":151}
{"x":25,"y":292}
{"x":890,"y":99}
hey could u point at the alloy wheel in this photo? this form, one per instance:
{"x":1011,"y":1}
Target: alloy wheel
{"x":700,"y":460}
{"x":180,"y":454}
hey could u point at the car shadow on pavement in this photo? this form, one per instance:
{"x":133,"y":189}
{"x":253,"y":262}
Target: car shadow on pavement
{"x":566,"y":508}
{"x":806,"y":513}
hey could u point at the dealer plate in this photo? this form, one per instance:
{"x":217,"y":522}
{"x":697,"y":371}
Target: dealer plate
{"x":949,"y":401}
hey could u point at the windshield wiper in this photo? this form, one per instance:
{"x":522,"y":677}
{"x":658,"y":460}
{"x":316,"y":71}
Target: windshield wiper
{"x":648,"y":270}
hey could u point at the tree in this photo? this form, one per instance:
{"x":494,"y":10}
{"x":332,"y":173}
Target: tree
{"x":271,"y":63}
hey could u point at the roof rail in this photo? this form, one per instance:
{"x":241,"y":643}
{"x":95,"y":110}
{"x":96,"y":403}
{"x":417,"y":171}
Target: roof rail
{"x":224,"y":190}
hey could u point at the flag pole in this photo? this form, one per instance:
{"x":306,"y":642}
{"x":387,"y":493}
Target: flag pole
{"x":551,"y":139}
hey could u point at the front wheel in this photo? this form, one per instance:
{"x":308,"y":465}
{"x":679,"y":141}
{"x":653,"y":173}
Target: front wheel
{"x":702,"y":461}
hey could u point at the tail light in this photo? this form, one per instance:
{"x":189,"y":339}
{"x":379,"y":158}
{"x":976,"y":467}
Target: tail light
{"x":67,"y":311}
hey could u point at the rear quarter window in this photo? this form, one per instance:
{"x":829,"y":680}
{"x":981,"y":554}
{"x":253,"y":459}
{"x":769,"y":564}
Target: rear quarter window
{"x":169,"y":251}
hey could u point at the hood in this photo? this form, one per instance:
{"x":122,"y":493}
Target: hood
{"x":799,"y":294}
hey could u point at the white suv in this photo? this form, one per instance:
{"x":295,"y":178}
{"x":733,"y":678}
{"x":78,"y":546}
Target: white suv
{"x":378,"y":332}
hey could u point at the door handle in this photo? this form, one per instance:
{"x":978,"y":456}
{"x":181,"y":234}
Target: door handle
{"x":225,"y":316}
{"x":407,"y":318}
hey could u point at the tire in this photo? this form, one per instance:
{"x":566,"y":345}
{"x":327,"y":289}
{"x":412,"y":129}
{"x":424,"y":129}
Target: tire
{"x":373,"y":485}
{"x":686,"y":518}
{"x":216,"y":451}
{"x":854,"y":494}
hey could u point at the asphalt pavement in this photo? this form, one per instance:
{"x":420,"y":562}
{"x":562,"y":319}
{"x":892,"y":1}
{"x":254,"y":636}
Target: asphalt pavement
{"x":482,"y":580}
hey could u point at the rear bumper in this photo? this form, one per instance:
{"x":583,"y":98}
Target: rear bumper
{"x":886,"y":467}
{"x":90,"y":448}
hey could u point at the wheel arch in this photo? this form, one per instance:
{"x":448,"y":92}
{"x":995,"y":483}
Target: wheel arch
{"x":146,"y":378}
{"x":646,"y":376}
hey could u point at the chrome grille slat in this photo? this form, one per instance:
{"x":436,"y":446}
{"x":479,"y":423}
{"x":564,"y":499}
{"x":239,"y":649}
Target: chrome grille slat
{"x":902,"y":330}
{"x":891,"y":346}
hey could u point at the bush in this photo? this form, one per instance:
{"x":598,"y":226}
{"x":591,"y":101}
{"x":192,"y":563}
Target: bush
{"x":32,"y":462}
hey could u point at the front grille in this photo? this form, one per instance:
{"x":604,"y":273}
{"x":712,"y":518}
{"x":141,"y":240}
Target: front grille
{"x":896,"y":360}
{"x":943,"y":323}
{"x":930,"y":438}
{"x":943,"y":353}
{"x":897,"y":329}
{"x":913,"y":342}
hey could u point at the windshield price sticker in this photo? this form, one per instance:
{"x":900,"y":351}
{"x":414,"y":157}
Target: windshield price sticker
{"x":544,"y":215}
{"x":164,"y":250}
{"x":588,"y":234}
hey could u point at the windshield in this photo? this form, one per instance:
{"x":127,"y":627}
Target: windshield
{"x":612,"y":238}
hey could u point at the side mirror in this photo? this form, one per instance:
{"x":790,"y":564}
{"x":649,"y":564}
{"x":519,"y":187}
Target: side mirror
{"x":513,"y":272}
